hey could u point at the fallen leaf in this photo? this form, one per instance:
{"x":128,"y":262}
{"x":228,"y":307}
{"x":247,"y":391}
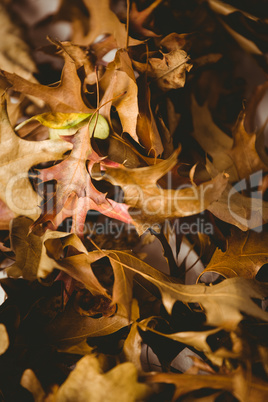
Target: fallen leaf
{"x":235,"y":383}
{"x":146,"y":126}
{"x":245,"y":255}
{"x":26,"y":248}
{"x":37,"y":257}
{"x":65,"y":124}
{"x":251,"y":112}
{"x":33,"y":385}
{"x":138,"y":18}
{"x":169,"y":72}
{"x":75,"y":192}
{"x":15,"y":53}
{"x":238,"y":156}
{"x":81,"y":57}
{"x":87,"y":382}
{"x":4,"y":339}
{"x":153,"y":204}
{"x":102,"y":21}
{"x":18,"y":156}
{"x":132,"y":347}
{"x":237,"y":209}
{"x":65,"y":97}
{"x":121,"y":90}
{"x":222,"y":302}
{"x":70,"y":328}
{"x":196,"y":339}
{"x":224,"y":9}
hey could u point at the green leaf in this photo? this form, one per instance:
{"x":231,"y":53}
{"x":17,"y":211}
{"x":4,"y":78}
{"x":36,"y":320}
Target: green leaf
{"x":64,"y":124}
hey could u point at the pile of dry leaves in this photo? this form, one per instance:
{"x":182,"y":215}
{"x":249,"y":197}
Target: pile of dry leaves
{"x":138,"y":135}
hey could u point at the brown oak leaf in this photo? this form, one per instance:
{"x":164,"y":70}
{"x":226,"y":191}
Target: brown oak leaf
{"x":169,"y":72}
{"x":153,"y":204}
{"x":246,"y":254}
{"x":17,"y":158}
{"x":65,"y":97}
{"x":87,"y":382}
{"x":119,"y":84}
{"x":102,"y":21}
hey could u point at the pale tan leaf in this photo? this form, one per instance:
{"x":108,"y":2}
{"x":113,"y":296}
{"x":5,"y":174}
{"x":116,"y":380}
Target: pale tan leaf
{"x":4,"y":339}
{"x":17,"y":157}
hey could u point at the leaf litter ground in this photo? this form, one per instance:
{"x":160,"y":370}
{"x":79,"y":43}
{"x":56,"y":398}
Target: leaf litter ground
{"x":157,"y":145}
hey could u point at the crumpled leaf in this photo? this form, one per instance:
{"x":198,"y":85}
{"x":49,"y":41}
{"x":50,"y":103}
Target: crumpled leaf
{"x":102,"y":21}
{"x":80,"y":57}
{"x":119,"y":79}
{"x":75,"y":192}
{"x":246,"y":254}
{"x":132,"y":347}
{"x":58,"y":120}
{"x":32,"y":384}
{"x":26,"y":248}
{"x":237,"y":209}
{"x":87,"y":383}
{"x":62,"y":123}
{"x":138,"y":18}
{"x":154,"y":204}
{"x":65,"y":97}
{"x":222,"y":302}
{"x":238,"y":156}
{"x":169,"y":72}
{"x":146,"y":126}
{"x":70,"y":328}
{"x":36,"y":256}
{"x":236,"y":383}
{"x":196,"y":339}
{"x":14,"y":51}
{"x":4,"y":339}
{"x":223,"y":9}
{"x":18,"y":156}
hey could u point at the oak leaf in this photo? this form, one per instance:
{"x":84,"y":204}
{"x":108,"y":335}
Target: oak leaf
{"x":138,"y":18}
{"x":87,"y":382}
{"x":146,"y":125}
{"x":80,"y":57}
{"x":223,"y":303}
{"x":238,"y":156}
{"x":37,"y":257}
{"x":65,"y":97}
{"x":196,"y":339}
{"x":236,"y":383}
{"x":169,"y":72}
{"x":246,"y":254}
{"x":75,"y":193}
{"x":17,"y":158}
{"x":132,"y":347}
{"x":70,"y":328}
{"x":103,"y":21}
{"x":153,"y":204}
{"x":236,"y":208}
{"x":120,"y":86}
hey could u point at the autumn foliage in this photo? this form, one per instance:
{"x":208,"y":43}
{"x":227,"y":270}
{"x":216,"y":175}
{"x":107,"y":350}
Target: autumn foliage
{"x":147,"y":145}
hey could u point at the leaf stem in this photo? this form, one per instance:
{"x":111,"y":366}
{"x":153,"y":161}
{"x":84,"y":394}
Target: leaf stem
{"x":127,"y":27}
